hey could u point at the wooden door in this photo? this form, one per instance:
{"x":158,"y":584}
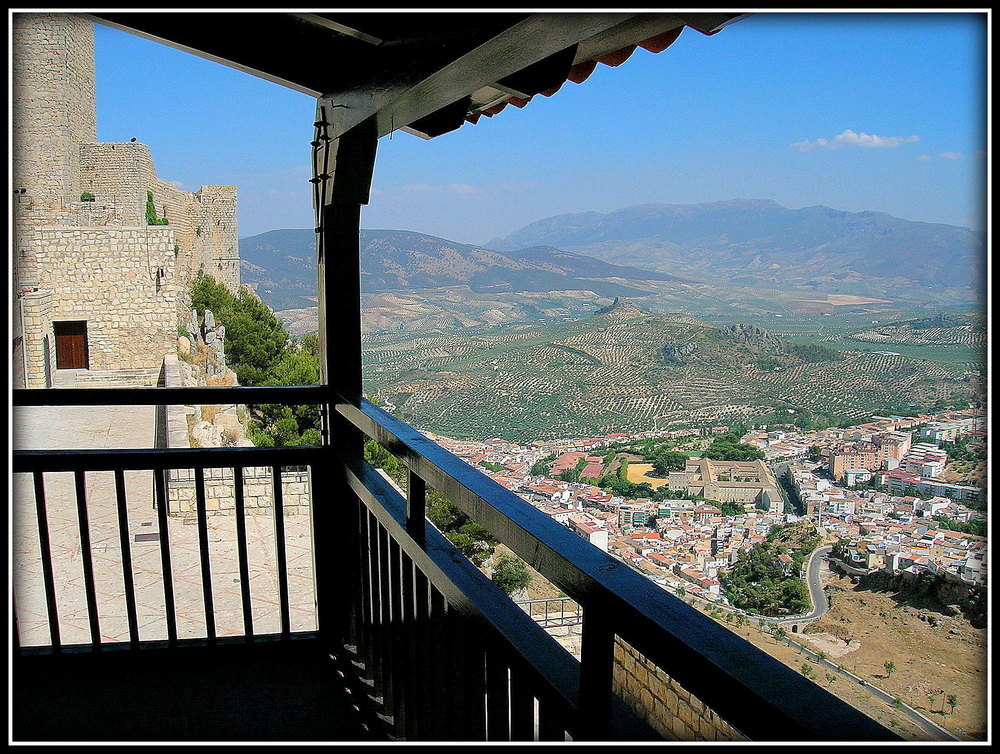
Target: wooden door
{"x":71,"y":345}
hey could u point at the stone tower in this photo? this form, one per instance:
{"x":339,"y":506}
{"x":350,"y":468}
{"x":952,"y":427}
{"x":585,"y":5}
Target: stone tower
{"x":54,"y":104}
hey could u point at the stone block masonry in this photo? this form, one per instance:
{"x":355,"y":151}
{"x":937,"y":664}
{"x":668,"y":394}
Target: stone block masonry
{"x":204,"y":222}
{"x":220,"y":491}
{"x":121,"y":281}
{"x":38,"y":340}
{"x":670,"y":709}
{"x":53,"y":102}
{"x":220,"y":487}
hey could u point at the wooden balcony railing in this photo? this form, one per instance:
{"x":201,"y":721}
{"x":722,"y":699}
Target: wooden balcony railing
{"x":443,"y":653}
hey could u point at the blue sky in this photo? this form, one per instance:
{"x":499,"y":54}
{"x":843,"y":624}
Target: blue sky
{"x":883,"y":112}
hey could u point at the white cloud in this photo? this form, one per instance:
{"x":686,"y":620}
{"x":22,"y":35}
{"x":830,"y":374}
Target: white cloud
{"x":951,"y":156}
{"x":924,"y":157}
{"x":853,"y":139}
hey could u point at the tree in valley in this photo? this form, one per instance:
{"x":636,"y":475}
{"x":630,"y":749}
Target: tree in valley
{"x":511,"y":574}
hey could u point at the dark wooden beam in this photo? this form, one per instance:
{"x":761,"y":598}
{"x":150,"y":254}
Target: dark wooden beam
{"x":414,"y":95}
{"x":342,"y":175}
{"x":320,"y":53}
{"x":277,"y":47}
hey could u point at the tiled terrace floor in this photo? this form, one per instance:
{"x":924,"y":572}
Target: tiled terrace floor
{"x":132,"y":427}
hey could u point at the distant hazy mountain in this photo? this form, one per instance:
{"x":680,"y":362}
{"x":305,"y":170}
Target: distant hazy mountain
{"x":281,"y":265}
{"x":761,"y":242}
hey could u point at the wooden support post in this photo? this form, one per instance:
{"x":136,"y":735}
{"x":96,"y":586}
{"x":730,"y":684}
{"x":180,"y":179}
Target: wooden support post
{"x":597,"y":648}
{"x":342,"y":173}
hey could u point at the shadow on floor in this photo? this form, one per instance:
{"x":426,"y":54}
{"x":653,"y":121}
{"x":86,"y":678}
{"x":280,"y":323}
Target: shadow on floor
{"x":276,"y":691}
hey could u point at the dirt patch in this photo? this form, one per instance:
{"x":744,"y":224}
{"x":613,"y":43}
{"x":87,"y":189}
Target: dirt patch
{"x":643,"y":472}
{"x":833,"y":646}
{"x":843,"y":299}
{"x":934,"y":654}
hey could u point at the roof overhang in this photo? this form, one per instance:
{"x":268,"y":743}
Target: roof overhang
{"x":426,"y":73}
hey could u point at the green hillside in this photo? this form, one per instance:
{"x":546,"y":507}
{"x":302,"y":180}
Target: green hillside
{"x":623,"y":369}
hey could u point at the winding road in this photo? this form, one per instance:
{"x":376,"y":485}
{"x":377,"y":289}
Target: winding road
{"x":820,"y":606}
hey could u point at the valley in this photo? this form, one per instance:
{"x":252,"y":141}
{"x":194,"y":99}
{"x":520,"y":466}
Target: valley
{"x":509,"y":338}
{"x":628,"y":369}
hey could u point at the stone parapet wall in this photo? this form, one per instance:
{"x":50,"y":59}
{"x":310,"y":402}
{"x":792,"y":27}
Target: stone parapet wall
{"x":176,"y":435}
{"x":121,"y":281}
{"x":672,"y":711}
{"x":97,"y":275}
{"x":220,"y":488}
{"x":118,"y":174}
{"x":220,"y":491}
{"x":118,"y":378}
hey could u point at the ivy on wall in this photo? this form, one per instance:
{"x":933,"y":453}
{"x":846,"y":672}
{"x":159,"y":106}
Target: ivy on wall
{"x":151,"y":218}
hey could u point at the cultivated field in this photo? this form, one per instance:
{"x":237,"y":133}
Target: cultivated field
{"x":609,"y":373}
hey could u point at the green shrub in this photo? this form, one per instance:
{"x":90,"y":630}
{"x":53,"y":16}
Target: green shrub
{"x":151,"y":218}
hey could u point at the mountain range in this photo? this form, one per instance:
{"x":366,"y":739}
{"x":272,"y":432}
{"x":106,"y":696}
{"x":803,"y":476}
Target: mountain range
{"x":280,"y":264}
{"x":717,"y":260}
{"x":755,"y":242}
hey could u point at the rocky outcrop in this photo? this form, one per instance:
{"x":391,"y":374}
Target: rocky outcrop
{"x":675,"y":353}
{"x":621,"y":309}
{"x":753,"y":335}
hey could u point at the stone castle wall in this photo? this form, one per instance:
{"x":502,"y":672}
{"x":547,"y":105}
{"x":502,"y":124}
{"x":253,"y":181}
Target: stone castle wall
{"x":39,"y":345}
{"x":97,"y":260}
{"x":220,"y":484}
{"x":120,"y":280}
{"x":119,"y":174}
{"x":220,"y":491}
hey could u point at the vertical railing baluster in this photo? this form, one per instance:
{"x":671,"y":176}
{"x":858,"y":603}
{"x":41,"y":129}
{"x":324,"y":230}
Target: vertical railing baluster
{"x":368,"y":598}
{"x":597,"y":657}
{"x":87,"y":558}
{"x":497,"y":696}
{"x":206,"y":558}
{"x":522,"y":706}
{"x":388,"y":690}
{"x":363,"y":591}
{"x":45,"y":546}
{"x":455,"y":673}
{"x":466,"y":668}
{"x":441,"y":711}
{"x":424,"y":650}
{"x":397,"y":639}
{"x":160,"y":489}
{"x":474,"y":680}
{"x":279,"y":541}
{"x":375,"y":585}
{"x":408,"y":640}
{"x":241,"y":548}
{"x":416,"y":506}
{"x":126,"y":547}
{"x":551,"y":727}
